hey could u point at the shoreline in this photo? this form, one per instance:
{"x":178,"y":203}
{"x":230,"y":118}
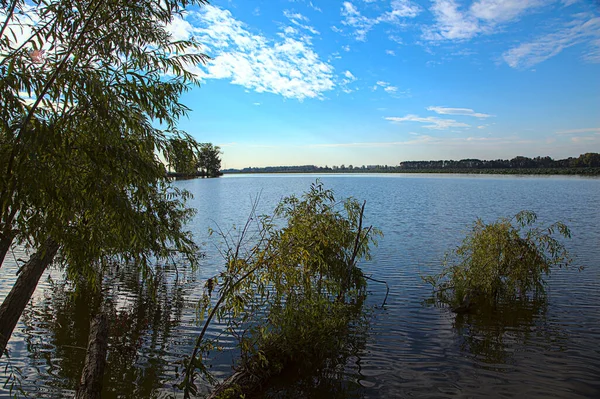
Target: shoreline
{"x":581,"y":171}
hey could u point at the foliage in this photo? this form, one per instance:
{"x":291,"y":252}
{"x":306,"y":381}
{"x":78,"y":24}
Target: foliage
{"x":182,"y":155}
{"x":188,"y":157}
{"x":500,"y":261}
{"x":208,"y":160}
{"x":289,"y":293}
{"x":89,"y":97}
{"x":586,"y":164}
{"x":78,"y":138}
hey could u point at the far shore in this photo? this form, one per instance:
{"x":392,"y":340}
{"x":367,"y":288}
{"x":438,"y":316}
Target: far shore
{"x":581,"y":171}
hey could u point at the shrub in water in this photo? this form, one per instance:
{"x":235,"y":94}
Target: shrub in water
{"x":500,"y":261}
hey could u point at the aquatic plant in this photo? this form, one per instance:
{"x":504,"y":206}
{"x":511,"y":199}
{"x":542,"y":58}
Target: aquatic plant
{"x":291,"y":288}
{"x":499,"y":261}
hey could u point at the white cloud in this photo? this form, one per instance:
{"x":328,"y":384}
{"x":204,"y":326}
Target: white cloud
{"x":431,"y":140}
{"x":350,"y":76}
{"x":353,"y":18}
{"x":296,"y":16}
{"x":314,"y":7}
{"x":499,"y":11}
{"x":298,"y":20}
{"x":457,"y":111}
{"x":308,"y":3}
{"x":388,"y":88}
{"x":433,"y":121}
{"x":567,"y":3}
{"x":287,"y":66}
{"x":581,"y":30}
{"x":400,"y":9}
{"x":396,"y":38}
{"x":457,"y":23}
{"x":390,"y":52}
{"x":584,"y":139}
{"x":577,"y":131}
{"x":453,"y":23}
{"x":346,"y":48}
{"x":593,"y":53}
{"x":179,"y":28}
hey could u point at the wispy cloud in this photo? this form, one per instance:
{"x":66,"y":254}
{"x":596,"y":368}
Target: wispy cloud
{"x":300,"y":21}
{"x":400,"y":10}
{"x":578,"y":131}
{"x":433,"y":122}
{"x":451,"y":24}
{"x":348,"y":78}
{"x":581,"y":30}
{"x":457,"y":111}
{"x":387,"y":87}
{"x":287,"y":66}
{"x":353,"y":18}
{"x":567,"y":3}
{"x":430,"y":140}
{"x":482,"y":17}
{"x":585,"y":139}
{"x":495,"y":11}
{"x":310,"y":4}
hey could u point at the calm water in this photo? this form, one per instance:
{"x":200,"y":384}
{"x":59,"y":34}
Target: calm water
{"x":549,"y":348}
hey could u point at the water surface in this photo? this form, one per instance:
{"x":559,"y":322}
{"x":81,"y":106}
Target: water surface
{"x":546,"y":348}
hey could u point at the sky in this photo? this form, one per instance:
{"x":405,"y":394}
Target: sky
{"x":366,"y":82}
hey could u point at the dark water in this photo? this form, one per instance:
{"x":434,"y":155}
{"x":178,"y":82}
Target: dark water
{"x":548,"y":348}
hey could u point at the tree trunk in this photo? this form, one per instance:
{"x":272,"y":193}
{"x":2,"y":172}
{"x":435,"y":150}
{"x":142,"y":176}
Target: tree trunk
{"x":5,"y":242}
{"x":90,"y":386}
{"x":20,"y":294}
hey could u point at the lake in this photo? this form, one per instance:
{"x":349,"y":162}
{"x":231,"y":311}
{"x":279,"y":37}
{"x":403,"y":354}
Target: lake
{"x":547,"y":348}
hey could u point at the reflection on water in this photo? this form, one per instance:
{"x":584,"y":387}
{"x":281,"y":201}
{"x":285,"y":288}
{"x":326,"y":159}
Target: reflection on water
{"x":541,"y":348}
{"x":333,"y":381}
{"x":142,"y":316}
{"x":491,"y":334}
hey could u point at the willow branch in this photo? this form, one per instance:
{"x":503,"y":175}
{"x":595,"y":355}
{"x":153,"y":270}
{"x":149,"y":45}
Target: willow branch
{"x":8,"y":16}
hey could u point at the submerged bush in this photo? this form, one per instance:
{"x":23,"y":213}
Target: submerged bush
{"x":291,"y":290}
{"x":500,"y":261}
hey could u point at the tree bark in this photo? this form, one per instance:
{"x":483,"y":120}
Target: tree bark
{"x":90,"y":386}
{"x":20,"y":294}
{"x":5,"y":242}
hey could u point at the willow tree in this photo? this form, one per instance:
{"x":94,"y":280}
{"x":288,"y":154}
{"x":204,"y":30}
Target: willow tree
{"x":89,"y":96}
{"x":183,"y":158}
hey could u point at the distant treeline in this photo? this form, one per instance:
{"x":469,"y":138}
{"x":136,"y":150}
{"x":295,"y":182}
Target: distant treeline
{"x":585,"y":164}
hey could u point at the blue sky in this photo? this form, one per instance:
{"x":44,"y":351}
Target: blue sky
{"x":295,"y":82}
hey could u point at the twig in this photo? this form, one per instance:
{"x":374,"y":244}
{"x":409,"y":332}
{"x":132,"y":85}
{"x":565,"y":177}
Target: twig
{"x":387,"y":292}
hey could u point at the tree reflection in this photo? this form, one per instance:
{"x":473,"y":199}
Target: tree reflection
{"x":337,"y":379}
{"x":142,"y":315}
{"x":492,"y":334}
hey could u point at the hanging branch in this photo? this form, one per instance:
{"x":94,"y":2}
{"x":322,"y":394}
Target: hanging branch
{"x":9,"y":15}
